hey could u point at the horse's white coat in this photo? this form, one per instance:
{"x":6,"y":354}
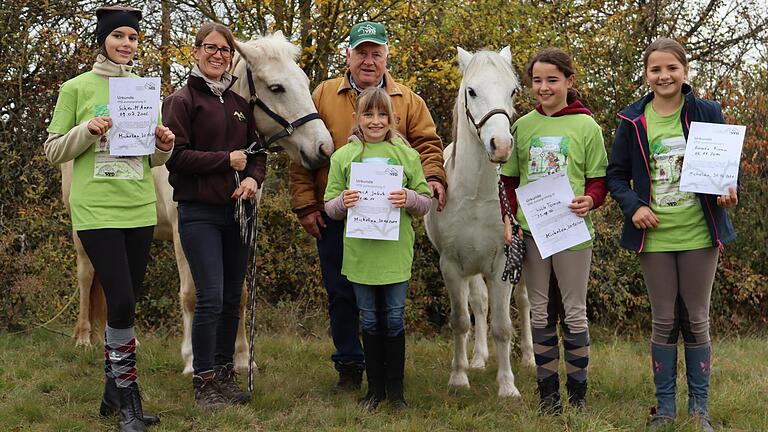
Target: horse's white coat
{"x":284,"y":87}
{"x":469,"y":233}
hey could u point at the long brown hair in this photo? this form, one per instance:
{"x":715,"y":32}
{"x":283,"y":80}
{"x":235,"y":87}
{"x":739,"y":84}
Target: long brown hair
{"x":563,"y":62}
{"x":374,"y":98}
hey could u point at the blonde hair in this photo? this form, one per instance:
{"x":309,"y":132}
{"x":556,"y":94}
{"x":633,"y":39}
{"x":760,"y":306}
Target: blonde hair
{"x":374,"y":98}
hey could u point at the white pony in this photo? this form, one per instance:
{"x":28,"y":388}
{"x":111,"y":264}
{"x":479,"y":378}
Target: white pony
{"x":283,"y":88}
{"x":469,"y":232}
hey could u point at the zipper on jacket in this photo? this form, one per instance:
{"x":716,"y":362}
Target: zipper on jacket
{"x":647,"y":168}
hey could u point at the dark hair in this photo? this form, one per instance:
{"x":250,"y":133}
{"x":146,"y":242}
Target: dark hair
{"x":374,"y":98}
{"x":211,"y":27}
{"x":562,"y":61}
{"x":108,"y":18}
{"x":666,"y":45}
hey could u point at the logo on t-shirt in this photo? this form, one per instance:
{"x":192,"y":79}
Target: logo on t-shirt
{"x":547,"y":155}
{"x":667,"y":156}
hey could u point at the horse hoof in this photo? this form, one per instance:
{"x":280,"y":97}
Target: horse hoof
{"x":509,"y":391}
{"x":459,"y":380}
{"x":477,"y":363}
{"x":188,"y":369}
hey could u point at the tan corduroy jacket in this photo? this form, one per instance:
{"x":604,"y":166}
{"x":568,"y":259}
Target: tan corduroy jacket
{"x":335,"y":101}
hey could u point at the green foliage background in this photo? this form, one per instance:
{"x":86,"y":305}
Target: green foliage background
{"x":46,"y":43}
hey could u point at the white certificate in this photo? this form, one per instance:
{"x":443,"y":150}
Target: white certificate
{"x":545,"y":205}
{"x":134,"y":106}
{"x":374,"y":217}
{"x":712,"y":154}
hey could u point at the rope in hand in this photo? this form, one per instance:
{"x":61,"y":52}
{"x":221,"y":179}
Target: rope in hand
{"x":248,"y":230}
{"x":515,"y":253}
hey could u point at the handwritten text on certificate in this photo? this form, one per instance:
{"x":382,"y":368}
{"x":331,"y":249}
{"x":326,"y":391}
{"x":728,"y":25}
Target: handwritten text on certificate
{"x":374,"y":217}
{"x":545,"y":205}
{"x":134,"y":106}
{"x":712,"y":155}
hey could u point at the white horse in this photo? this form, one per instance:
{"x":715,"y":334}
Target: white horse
{"x":283,"y":88}
{"x":469,"y":233}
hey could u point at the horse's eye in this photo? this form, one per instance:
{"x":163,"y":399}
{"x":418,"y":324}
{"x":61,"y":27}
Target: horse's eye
{"x":277,"y":88}
{"x":471,"y":92}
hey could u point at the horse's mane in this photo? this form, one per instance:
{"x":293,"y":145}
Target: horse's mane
{"x":276,"y":47}
{"x":480,"y":60}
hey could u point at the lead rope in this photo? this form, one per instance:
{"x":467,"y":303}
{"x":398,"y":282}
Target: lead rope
{"x":513,"y":267}
{"x":248,"y":230}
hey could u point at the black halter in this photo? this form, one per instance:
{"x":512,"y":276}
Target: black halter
{"x":485,"y":118}
{"x":288,"y":128}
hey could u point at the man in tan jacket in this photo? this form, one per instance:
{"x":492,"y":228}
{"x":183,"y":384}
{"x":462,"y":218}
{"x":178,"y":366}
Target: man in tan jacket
{"x":335,"y":101}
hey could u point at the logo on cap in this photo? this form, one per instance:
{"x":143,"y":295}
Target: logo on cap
{"x":367,"y":29}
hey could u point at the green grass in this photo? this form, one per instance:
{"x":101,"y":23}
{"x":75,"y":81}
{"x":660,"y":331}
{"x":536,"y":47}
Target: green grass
{"x":47,"y":384}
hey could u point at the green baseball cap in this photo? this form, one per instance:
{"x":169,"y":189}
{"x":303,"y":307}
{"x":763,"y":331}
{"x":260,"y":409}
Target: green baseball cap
{"x":367,"y":31}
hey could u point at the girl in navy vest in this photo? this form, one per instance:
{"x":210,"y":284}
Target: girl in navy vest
{"x":678,"y":235}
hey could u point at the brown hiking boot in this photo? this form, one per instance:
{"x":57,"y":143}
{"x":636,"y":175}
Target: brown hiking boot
{"x":225,"y":377}
{"x":350,"y":377}
{"x":207,"y":394}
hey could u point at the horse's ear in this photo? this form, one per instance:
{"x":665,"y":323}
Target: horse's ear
{"x":248,"y":51}
{"x":464,"y":58}
{"x":506,"y":54}
{"x":280,"y":34}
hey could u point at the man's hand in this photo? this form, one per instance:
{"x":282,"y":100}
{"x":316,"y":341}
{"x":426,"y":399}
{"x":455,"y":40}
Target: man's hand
{"x":644,"y":218}
{"x":312,"y":223}
{"x":247,"y":190}
{"x":438,"y":191}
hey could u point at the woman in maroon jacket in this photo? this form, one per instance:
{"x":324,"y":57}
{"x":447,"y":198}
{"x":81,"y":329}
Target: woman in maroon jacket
{"x":213,"y":125}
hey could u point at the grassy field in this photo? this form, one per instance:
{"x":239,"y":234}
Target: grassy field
{"x":47,"y":384}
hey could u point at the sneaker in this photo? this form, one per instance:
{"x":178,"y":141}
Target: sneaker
{"x":225,"y":378}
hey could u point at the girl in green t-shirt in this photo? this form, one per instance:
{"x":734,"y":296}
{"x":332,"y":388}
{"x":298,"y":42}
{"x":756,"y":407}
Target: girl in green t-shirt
{"x":379,"y":269}
{"x":676,"y":234}
{"x":112,"y":202}
{"x":559,"y":135}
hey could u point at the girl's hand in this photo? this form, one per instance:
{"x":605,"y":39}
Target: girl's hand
{"x":397,"y":198}
{"x":99,"y":125}
{"x":350,"y":198}
{"x":644,"y":218}
{"x":508,"y":232}
{"x":237,"y":160}
{"x":164,"y":138}
{"x":581,"y":205}
{"x":247,"y":190}
{"x":728,"y":201}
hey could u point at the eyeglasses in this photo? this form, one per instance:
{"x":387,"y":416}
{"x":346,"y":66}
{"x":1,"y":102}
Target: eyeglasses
{"x":212,"y":49}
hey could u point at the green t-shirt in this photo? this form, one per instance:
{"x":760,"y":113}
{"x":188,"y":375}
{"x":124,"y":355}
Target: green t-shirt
{"x":378,"y":262}
{"x":681,"y":219}
{"x":545,"y":145}
{"x":107,"y":191}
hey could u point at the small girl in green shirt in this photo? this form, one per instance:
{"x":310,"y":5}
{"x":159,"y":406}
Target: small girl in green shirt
{"x":379,"y":269}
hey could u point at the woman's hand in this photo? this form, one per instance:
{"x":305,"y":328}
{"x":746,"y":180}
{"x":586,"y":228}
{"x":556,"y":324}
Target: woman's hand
{"x":728,"y":201}
{"x":644,"y":218}
{"x":247,"y":190}
{"x":99,"y":125}
{"x":237,"y":160}
{"x":581,"y":205}
{"x":508,"y":231}
{"x":164,"y":138}
{"x":350,"y":198}
{"x":397,"y":198}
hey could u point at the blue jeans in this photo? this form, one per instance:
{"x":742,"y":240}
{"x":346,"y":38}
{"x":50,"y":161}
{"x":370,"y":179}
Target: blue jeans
{"x":342,"y":307}
{"x":382,"y":308}
{"x":217,"y":259}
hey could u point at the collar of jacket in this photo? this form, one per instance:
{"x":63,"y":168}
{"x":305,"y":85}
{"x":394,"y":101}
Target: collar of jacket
{"x":107,"y":68}
{"x":198,"y":83}
{"x":637,"y":109}
{"x":575,"y":107}
{"x":389,"y":84}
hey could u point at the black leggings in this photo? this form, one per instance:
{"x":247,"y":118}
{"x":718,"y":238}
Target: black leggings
{"x":120,"y":257}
